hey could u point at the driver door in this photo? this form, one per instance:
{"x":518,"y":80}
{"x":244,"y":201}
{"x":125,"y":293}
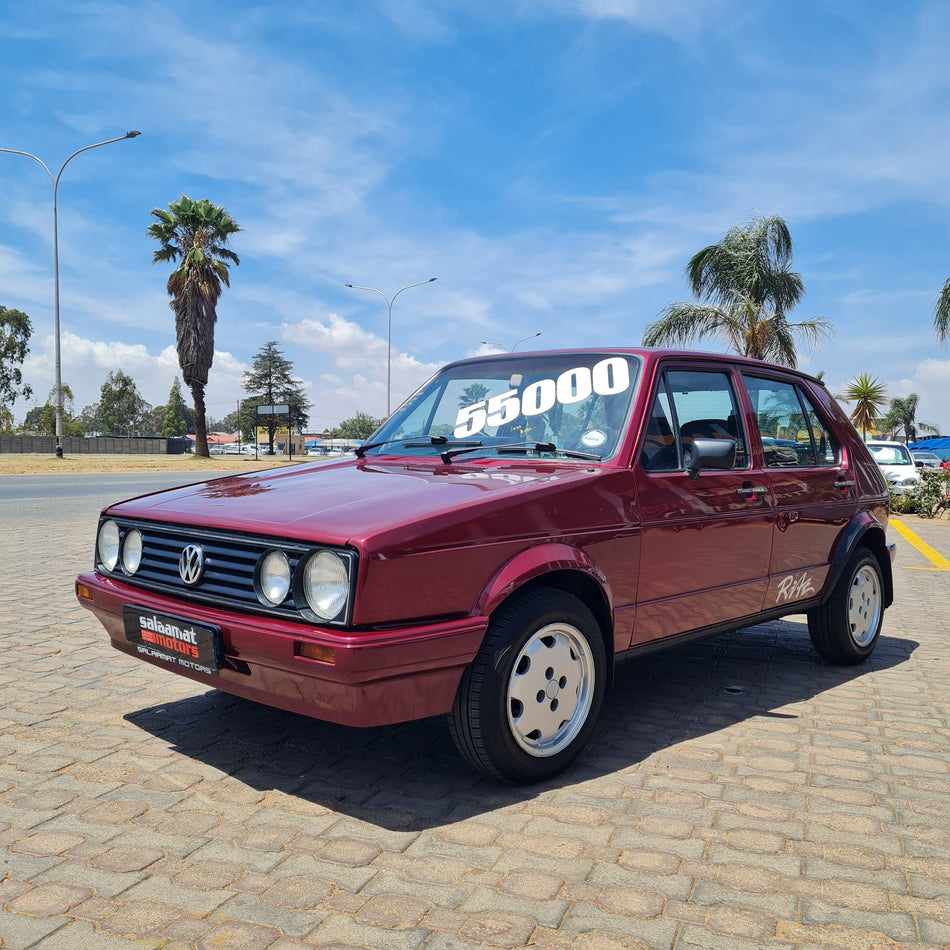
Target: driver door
{"x":707,"y":539}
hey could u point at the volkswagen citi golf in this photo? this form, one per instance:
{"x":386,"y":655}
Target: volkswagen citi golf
{"x":517,"y":527}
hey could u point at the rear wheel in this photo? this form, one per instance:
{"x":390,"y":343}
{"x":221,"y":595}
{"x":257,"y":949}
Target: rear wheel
{"x":846,"y":627}
{"x":527,"y":705}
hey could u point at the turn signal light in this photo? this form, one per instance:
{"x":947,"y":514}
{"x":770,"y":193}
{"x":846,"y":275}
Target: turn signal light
{"x":83,"y":592}
{"x":316,"y":651}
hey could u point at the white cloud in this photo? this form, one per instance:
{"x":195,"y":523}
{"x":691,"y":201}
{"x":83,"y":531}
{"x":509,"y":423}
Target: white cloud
{"x":347,"y":342}
{"x":86,"y":363}
{"x":24,"y":280}
{"x":358,"y":376}
{"x":931,"y":381}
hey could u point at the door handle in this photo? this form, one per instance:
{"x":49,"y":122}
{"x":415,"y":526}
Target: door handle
{"x":752,"y":490}
{"x":844,"y":483}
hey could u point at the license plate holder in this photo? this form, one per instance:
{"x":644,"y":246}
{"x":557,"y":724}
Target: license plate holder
{"x":173,"y":640}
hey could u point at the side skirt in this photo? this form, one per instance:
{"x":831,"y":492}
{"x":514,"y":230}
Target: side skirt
{"x":667,"y":643}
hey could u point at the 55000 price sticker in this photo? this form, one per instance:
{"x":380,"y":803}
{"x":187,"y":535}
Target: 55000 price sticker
{"x":606,"y":378}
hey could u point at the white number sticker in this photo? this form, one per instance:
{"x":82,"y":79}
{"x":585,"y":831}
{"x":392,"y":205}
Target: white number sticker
{"x":470,"y":419}
{"x":609,"y":377}
{"x":539,"y":397}
{"x":574,"y":385}
{"x":503,"y":408}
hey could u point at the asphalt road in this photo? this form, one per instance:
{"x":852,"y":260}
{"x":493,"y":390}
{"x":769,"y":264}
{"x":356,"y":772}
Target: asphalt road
{"x":50,"y":500}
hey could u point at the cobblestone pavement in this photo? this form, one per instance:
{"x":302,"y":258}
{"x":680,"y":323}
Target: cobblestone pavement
{"x":738,"y":794}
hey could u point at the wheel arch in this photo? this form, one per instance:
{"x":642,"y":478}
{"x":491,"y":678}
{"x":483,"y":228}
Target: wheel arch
{"x":864,"y":530}
{"x":558,"y":567}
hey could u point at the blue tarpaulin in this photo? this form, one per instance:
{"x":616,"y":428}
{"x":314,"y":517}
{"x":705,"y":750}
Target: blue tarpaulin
{"x":939,"y":446}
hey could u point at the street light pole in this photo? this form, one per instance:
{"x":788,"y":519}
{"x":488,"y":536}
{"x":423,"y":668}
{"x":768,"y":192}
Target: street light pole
{"x":389,"y":321}
{"x":502,"y":345}
{"x":56,"y":347}
{"x":533,"y":335}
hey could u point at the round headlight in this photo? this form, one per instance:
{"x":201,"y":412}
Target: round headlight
{"x":132,"y":551}
{"x":275,"y":577}
{"x":108,"y":544}
{"x":326,"y":584}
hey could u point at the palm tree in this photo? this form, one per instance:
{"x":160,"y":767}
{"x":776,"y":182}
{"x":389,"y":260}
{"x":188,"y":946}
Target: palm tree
{"x":472,"y":394}
{"x":869,"y":396}
{"x":197,"y":232}
{"x":942,"y":314}
{"x":902,"y":416}
{"x":746,"y":287}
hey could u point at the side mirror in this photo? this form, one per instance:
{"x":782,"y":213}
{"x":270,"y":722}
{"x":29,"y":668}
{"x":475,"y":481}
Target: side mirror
{"x":918,"y":463}
{"x":712,"y":454}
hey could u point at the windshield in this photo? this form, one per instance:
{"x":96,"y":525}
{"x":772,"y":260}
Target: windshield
{"x":891,"y":454}
{"x":558,"y":403}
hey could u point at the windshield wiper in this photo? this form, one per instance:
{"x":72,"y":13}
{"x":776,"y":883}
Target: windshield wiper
{"x":525,"y":447}
{"x":549,"y":447}
{"x":415,"y":442}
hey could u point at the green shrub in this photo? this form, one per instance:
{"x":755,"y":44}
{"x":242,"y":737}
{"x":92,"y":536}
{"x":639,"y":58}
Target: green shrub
{"x":930,"y":498}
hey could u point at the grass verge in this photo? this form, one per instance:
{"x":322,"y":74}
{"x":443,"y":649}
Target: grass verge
{"x":14,"y":463}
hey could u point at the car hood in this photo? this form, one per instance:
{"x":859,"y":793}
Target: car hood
{"x":899,"y":471}
{"x":361,"y":501}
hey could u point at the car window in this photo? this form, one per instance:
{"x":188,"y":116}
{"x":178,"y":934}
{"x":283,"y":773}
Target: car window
{"x":793,"y":433}
{"x":691,"y":405}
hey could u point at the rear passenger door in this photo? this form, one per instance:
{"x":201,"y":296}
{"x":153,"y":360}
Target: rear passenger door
{"x":706,"y":541}
{"x":814,"y":493}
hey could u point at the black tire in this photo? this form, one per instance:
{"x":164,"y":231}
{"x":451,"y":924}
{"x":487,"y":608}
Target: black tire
{"x":543,"y":657}
{"x":846,"y":627}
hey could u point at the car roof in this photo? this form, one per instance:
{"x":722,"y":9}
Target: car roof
{"x":648,"y":354}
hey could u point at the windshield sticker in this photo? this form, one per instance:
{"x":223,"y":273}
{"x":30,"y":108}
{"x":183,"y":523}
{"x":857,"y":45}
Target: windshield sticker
{"x":594,"y":439}
{"x":609,"y":377}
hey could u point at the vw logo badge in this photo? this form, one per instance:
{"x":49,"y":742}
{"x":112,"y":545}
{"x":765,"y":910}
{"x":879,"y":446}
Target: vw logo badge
{"x":191,"y":564}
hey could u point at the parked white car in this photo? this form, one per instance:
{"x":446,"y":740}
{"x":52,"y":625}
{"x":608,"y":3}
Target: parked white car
{"x":898,"y":464}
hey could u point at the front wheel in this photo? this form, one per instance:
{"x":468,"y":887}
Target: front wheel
{"x":527,"y":705}
{"x":846,"y":627}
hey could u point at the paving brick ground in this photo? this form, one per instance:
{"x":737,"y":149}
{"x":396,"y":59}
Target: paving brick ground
{"x":738,"y":794}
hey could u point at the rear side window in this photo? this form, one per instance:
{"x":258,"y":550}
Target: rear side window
{"x":691,"y":405}
{"x":793,"y":432}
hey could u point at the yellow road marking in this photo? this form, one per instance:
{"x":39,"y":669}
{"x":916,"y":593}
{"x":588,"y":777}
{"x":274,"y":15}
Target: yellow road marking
{"x":940,"y":563}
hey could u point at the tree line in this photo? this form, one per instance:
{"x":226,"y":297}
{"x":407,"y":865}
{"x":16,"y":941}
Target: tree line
{"x":122,"y":411}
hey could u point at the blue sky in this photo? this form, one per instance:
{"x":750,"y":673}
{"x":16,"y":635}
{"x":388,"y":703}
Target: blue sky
{"x":554,"y":163}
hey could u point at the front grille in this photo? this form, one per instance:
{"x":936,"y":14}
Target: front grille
{"x":230,"y":563}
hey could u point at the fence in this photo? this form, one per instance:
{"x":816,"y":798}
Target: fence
{"x":102,"y":445}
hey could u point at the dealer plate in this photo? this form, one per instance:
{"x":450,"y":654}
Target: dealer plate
{"x":174,"y":640}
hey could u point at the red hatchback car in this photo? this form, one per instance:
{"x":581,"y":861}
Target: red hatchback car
{"x":518,"y":526}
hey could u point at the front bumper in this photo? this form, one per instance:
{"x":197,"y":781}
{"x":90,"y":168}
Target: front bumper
{"x":377,"y":677}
